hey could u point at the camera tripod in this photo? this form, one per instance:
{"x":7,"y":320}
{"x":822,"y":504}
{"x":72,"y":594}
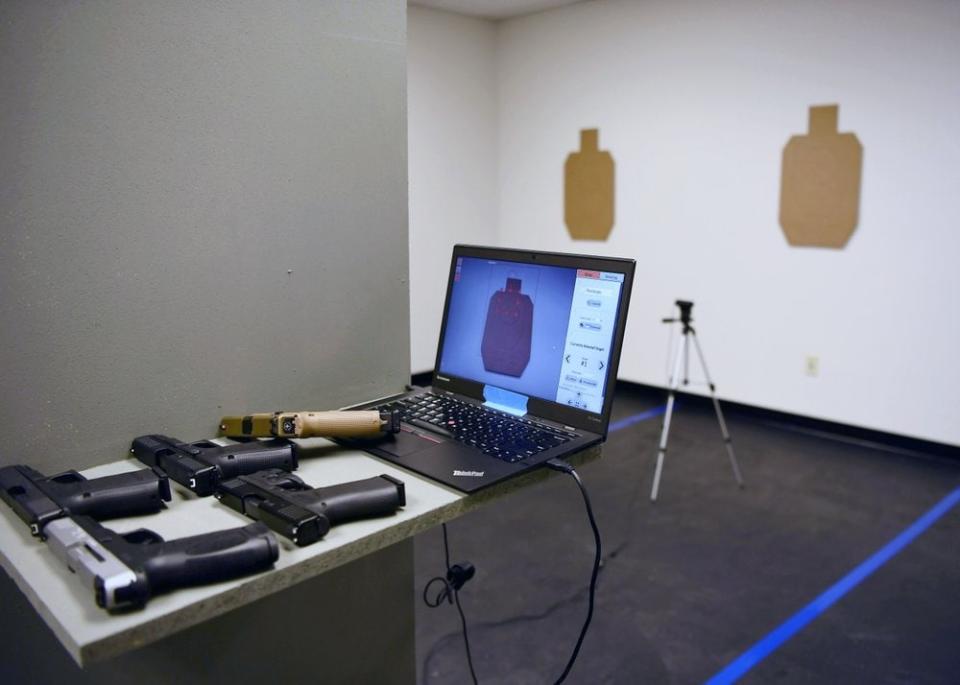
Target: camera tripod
{"x":683,"y":357}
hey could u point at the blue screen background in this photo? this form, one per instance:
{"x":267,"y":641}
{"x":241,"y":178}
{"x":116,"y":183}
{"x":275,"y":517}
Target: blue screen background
{"x":551,"y":290}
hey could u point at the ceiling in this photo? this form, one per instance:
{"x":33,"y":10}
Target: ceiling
{"x":493,"y":9}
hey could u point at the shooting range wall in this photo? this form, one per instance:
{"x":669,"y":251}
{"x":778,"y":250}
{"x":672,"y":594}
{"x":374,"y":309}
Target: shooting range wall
{"x":695,"y":102}
{"x":203,"y":210}
{"x":453,"y":157}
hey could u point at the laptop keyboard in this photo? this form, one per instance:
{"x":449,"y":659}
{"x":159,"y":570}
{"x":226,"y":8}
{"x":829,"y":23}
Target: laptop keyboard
{"x":494,"y":433}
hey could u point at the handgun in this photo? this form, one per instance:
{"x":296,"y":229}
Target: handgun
{"x":311,"y":424}
{"x":126,"y":570}
{"x":39,"y":499}
{"x":201,"y":465}
{"x":302,"y":513}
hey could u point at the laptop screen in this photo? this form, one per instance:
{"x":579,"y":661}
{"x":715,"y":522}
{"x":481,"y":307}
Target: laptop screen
{"x":534,"y":329}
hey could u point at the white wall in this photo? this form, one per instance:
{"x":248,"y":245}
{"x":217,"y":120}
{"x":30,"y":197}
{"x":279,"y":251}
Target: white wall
{"x":695,"y":100}
{"x":452,"y":120}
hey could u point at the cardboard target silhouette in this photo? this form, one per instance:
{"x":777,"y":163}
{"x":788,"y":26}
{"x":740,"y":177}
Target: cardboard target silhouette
{"x":588,"y":189}
{"x":820,"y":183}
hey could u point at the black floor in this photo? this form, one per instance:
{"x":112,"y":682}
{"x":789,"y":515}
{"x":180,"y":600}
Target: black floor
{"x":708,"y":570}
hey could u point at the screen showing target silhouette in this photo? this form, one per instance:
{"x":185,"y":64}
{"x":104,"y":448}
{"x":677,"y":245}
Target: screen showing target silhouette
{"x":542,"y":331}
{"x":508,"y":331}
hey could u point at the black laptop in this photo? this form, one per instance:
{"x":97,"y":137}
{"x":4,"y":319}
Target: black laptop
{"x":526,"y":365}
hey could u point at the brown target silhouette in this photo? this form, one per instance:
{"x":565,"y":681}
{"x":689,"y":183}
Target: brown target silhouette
{"x":820,"y":183}
{"x":588,"y":189}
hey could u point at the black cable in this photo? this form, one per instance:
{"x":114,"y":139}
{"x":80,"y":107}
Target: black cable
{"x":558,"y":465}
{"x":452,"y":583}
{"x":442,"y":642}
{"x":448,"y":590}
{"x":466,"y":638}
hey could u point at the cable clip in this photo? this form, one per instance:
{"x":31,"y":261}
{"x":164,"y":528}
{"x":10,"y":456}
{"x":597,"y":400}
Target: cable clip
{"x":457,"y":577}
{"x":459,"y":574}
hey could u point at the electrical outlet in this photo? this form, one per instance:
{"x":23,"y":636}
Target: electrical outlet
{"x":813,"y":366}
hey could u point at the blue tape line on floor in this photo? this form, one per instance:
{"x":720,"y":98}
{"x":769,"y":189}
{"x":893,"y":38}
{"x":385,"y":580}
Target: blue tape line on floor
{"x":636,"y":418}
{"x":798,"y":621}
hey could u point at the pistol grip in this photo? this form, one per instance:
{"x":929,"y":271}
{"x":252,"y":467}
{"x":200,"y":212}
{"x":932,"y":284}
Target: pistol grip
{"x":123,"y":494}
{"x":209,"y":557}
{"x":248,"y":457}
{"x":359,"y":499}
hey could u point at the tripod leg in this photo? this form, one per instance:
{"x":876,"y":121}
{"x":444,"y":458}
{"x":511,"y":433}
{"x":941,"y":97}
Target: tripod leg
{"x":716,"y":406}
{"x":664,"y":432}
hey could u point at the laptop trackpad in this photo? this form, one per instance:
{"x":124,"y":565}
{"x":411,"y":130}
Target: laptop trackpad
{"x":407,"y":442}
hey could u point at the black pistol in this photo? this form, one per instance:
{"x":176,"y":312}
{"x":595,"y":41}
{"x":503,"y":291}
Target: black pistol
{"x":304,"y":514}
{"x":39,"y":499}
{"x":124,"y":571}
{"x":201,"y":465}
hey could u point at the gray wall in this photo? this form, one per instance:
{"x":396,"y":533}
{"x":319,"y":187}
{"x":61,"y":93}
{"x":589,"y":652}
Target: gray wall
{"x":203,"y":210}
{"x":318,"y":631}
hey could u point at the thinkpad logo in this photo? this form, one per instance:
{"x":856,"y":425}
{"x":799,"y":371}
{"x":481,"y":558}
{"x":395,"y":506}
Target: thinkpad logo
{"x":472,"y":474}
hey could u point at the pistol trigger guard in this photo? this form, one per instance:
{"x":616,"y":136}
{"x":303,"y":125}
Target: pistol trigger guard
{"x":142,"y":536}
{"x":68,"y":477}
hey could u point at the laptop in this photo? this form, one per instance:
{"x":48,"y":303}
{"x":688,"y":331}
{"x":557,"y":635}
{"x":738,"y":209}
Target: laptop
{"x":525,"y":370}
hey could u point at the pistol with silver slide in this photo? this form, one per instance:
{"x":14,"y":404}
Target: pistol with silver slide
{"x":125,"y":570}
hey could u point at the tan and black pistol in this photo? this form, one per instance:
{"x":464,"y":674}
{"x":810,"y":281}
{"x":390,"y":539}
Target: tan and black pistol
{"x":311,"y":424}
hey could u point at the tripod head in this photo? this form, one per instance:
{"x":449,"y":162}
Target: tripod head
{"x":686,"y":314}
